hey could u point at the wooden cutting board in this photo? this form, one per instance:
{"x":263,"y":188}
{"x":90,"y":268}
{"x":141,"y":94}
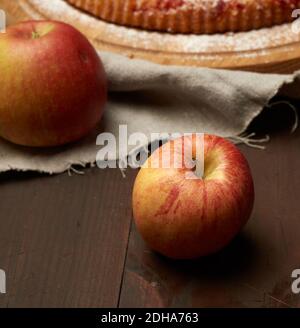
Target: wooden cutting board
{"x":273,"y":50}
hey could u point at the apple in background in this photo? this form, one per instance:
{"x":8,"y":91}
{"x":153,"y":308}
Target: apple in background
{"x":187,"y":218}
{"x":53,"y":84}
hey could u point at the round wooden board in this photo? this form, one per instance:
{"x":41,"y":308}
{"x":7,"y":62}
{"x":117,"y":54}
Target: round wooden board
{"x":273,"y":50}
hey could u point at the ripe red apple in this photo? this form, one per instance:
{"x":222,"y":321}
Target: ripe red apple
{"x":185,"y":218}
{"x":53,"y":84}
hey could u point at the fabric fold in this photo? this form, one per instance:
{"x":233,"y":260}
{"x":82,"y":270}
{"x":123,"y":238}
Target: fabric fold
{"x":148,"y":98}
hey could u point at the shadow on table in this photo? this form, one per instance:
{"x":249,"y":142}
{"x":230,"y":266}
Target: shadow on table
{"x":213,"y":280}
{"x":278,"y":117}
{"x":233,"y":260}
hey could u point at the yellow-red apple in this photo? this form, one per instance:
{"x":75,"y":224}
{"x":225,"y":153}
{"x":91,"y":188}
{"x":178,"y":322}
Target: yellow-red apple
{"x":184,"y":218}
{"x":53,"y":84}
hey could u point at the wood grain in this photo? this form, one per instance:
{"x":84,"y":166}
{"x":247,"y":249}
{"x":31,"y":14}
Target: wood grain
{"x":63,"y":239}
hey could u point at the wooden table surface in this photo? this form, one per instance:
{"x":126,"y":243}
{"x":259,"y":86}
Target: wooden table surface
{"x":71,"y":242}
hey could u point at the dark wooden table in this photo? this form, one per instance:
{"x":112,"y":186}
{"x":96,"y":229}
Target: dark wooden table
{"x":70,"y":241}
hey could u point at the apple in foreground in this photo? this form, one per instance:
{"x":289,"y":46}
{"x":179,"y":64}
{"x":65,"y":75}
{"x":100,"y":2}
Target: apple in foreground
{"x":185,"y":218}
{"x":53,"y":84}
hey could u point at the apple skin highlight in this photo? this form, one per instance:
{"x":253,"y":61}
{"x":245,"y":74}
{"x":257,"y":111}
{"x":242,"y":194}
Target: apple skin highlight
{"x":53,"y":84}
{"x":189,"y":218}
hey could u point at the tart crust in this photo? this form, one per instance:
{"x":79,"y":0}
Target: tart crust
{"x":192,"y":16}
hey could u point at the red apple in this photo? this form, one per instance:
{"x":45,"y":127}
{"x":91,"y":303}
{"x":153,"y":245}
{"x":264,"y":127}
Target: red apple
{"x":185,"y":218}
{"x":53,"y":84}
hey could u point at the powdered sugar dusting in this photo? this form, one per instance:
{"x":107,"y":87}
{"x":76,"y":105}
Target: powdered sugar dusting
{"x":245,"y":42}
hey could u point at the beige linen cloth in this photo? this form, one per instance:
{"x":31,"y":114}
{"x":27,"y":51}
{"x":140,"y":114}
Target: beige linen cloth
{"x":153,"y":98}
